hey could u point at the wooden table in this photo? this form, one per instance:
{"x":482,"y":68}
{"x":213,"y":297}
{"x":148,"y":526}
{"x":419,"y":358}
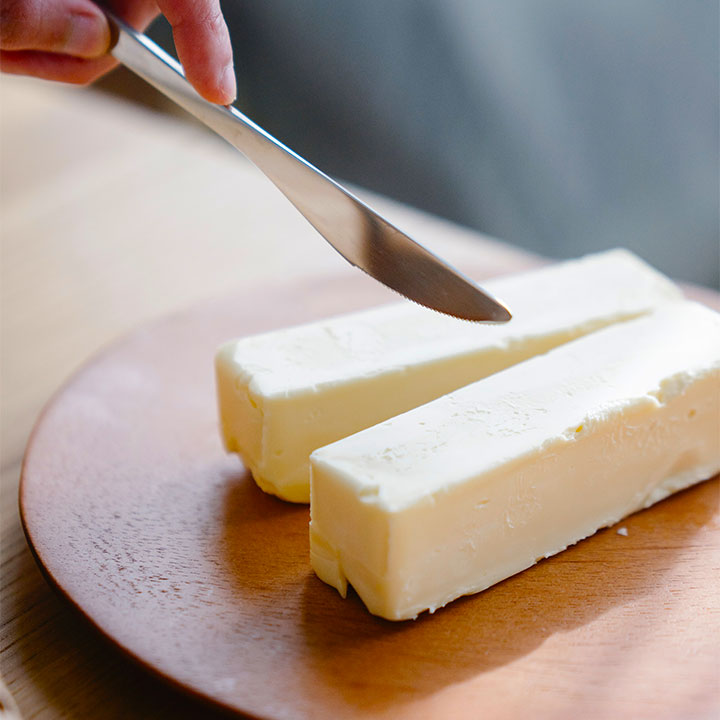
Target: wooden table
{"x":112,"y":215}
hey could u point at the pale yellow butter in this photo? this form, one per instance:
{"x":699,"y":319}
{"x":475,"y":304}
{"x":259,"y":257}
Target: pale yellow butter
{"x":454,"y":496}
{"x":285,"y":393}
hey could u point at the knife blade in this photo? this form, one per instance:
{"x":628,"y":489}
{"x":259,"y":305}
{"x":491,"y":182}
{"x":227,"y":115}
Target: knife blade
{"x":362,"y":236}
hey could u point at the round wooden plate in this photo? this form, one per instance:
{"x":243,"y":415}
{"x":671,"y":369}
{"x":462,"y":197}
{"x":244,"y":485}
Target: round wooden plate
{"x":165,"y":544}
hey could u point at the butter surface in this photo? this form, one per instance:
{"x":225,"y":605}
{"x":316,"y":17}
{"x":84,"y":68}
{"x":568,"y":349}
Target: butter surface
{"x":283,"y":394}
{"x":454,"y":496}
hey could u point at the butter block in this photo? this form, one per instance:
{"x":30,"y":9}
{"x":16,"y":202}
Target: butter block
{"x":285,"y":393}
{"x":454,"y":496}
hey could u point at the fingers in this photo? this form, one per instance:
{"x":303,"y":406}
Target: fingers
{"x":43,"y":38}
{"x":54,"y":66}
{"x":71,"y":27}
{"x":201,"y":39}
{"x":203,"y":45}
{"x":63,"y":40}
{"x":66,"y":40}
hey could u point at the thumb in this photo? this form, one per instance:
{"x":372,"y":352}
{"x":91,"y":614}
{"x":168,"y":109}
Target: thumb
{"x":71,"y":27}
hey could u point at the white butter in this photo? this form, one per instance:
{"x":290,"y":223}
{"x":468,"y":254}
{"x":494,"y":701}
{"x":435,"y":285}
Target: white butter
{"x":285,"y":393}
{"x":458,"y":494}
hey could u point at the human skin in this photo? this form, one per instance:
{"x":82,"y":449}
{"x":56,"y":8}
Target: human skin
{"x":68,"y":40}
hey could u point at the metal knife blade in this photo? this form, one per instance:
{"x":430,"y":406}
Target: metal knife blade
{"x":358,"y":233}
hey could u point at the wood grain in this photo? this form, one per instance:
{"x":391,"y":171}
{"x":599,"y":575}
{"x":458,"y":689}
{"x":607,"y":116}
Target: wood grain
{"x":168,"y":547}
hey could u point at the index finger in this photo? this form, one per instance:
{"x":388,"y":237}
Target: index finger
{"x":203,"y":46}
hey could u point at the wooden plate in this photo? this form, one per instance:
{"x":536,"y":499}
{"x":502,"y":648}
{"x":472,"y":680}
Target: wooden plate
{"x":165,"y":544}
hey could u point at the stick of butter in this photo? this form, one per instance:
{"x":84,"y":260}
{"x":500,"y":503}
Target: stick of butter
{"x":285,"y":393}
{"x":463,"y":492}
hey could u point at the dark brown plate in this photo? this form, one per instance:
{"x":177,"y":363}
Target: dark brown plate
{"x":165,"y":544}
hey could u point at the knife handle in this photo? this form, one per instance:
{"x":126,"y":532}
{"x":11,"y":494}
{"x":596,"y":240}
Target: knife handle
{"x":356,"y":231}
{"x":141,"y":55}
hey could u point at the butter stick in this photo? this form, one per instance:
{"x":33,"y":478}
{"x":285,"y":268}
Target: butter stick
{"x":454,"y":496}
{"x":285,"y":393}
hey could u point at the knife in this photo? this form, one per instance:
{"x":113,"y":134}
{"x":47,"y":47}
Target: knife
{"x":358,"y":233}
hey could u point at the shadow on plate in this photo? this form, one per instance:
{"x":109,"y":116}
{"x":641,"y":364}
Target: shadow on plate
{"x":374,"y":664}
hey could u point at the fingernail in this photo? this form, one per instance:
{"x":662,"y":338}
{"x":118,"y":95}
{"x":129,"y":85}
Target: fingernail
{"x":228,"y":85}
{"x":88,"y":35}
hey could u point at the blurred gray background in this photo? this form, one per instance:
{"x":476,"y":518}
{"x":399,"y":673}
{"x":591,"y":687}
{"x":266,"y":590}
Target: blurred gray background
{"x":561,"y":126}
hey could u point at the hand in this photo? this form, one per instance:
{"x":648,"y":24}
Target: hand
{"x":68,"y":40}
